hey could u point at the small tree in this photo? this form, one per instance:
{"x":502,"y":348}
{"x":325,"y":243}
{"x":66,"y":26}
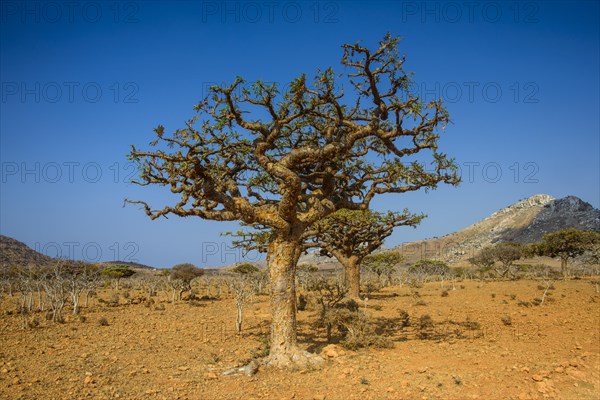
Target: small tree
{"x":383,"y":264}
{"x":245,"y":268}
{"x":185,"y":274}
{"x":306,"y":274}
{"x":55,"y":286}
{"x":507,"y":254}
{"x":243,"y":287}
{"x":350,"y":236}
{"x":117,"y":272}
{"x":566,"y":244}
{"x":484,"y":260}
{"x":80,"y":276}
{"x":425,"y":268}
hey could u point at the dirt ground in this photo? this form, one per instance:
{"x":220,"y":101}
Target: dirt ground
{"x":547,"y":351}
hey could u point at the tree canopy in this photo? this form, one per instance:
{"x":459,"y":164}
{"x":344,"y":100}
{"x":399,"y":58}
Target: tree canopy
{"x":567,"y":243}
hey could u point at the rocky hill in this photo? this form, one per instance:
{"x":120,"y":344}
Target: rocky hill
{"x":15,"y":253}
{"x":525,"y":222}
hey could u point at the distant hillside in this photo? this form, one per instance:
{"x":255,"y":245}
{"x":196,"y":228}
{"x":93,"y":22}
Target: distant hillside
{"x":524,"y":222}
{"x":15,"y":253}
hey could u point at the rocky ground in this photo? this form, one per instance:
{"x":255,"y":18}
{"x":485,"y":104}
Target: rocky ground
{"x":487,"y":343}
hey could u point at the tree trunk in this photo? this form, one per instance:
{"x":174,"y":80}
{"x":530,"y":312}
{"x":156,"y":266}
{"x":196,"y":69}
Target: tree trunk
{"x":284,"y":251}
{"x":563,"y":267}
{"x":352,"y":276}
{"x":240,"y":318}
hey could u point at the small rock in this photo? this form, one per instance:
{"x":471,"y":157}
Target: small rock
{"x":559,"y":370}
{"x":4,"y":371}
{"x":390,"y":390}
{"x":423,"y":370}
{"x":573,"y":362}
{"x":332,"y":351}
{"x":210,"y":375}
{"x":88,"y":380}
{"x":537,"y":378}
{"x":16,"y":381}
{"x":319,"y":397}
{"x":525,"y":369}
{"x":183,"y":368}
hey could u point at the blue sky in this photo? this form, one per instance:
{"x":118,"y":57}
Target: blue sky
{"x":81,"y":81}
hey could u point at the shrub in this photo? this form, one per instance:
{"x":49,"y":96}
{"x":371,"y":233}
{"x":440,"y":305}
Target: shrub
{"x":404,"y":318}
{"x":103,"y":321}
{"x":361,"y":333}
{"x":444,"y":293}
{"x":114,"y":300}
{"x":425,"y":327}
{"x":507,"y":320}
{"x":34,"y":322}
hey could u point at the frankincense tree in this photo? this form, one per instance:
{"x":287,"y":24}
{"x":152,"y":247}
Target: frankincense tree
{"x":287,"y":159}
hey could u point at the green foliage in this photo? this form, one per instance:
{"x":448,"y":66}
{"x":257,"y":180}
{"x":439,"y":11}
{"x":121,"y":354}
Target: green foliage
{"x":245,"y":269}
{"x":186,"y":272}
{"x":118,"y":271}
{"x":383,"y":263}
{"x":357,"y":232}
{"x":485,"y":259}
{"x":567,"y":243}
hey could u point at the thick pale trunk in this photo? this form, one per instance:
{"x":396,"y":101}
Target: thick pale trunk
{"x":284,"y":251}
{"x":283,"y":255}
{"x":352,"y":276}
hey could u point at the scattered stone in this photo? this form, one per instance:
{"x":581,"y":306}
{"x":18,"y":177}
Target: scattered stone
{"x":332,"y":351}
{"x":559,"y":370}
{"x":573,"y":362}
{"x":88,"y":380}
{"x":183,"y":368}
{"x":537,"y":378}
{"x":525,"y":369}
{"x":319,"y":397}
{"x":4,"y":371}
{"x":405,"y":384}
{"x":210,"y":375}
{"x":423,"y":370}
{"x":16,"y":381}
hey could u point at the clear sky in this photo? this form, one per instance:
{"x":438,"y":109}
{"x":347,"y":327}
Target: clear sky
{"x":82,"y":80}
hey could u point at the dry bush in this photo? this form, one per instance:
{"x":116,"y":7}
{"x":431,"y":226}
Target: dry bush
{"x":361,"y":333}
